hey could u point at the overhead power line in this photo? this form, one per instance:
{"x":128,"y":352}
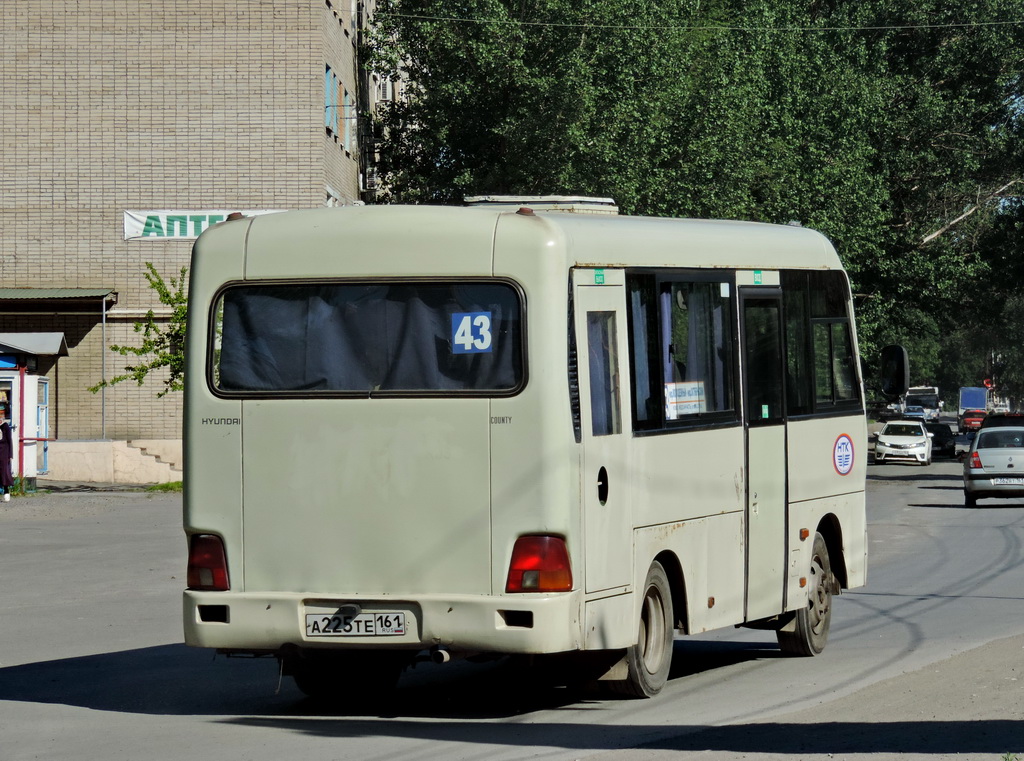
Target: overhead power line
{"x":705,"y":27}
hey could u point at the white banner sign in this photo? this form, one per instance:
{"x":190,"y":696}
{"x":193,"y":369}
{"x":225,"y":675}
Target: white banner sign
{"x":176,"y":225}
{"x":685,"y":398}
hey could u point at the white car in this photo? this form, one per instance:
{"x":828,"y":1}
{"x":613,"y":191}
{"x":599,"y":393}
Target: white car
{"x":903,"y":441}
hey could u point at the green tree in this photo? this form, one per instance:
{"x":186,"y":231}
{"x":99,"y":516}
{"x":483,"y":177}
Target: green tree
{"x":1004,"y":301}
{"x":892,"y":127}
{"x":163,"y":345}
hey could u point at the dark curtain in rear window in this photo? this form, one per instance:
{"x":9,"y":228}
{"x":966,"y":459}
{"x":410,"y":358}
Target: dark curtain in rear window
{"x":370,"y":338}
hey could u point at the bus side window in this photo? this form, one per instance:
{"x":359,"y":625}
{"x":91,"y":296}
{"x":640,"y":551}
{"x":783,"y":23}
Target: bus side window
{"x":833,"y":342}
{"x":842,"y":362}
{"x":833,"y":355}
{"x":799,"y":394}
{"x":644,"y":349}
{"x":604,"y":373}
{"x":819,"y":343}
{"x":681,"y":330}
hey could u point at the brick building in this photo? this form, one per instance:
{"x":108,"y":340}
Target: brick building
{"x":128,"y":126}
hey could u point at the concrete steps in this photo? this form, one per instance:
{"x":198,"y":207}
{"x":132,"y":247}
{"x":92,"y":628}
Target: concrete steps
{"x":167,"y":451}
{"x":142,"y":461}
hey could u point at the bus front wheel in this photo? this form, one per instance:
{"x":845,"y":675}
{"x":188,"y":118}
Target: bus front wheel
{"x":649,"y":660}
{"x":808,"y":632}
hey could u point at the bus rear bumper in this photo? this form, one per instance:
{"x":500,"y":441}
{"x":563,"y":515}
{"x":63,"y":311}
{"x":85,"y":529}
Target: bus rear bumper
{"x":268,"y":622}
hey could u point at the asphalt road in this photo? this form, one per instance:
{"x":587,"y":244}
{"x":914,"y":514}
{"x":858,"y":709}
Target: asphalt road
{"x":925,"y":662}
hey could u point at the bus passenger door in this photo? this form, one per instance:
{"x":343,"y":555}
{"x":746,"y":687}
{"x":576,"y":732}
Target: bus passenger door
{"x":602,"y":358}
{"x":764,"y":422}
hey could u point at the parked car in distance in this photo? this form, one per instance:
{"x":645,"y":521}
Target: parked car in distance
{"x":915,"y":412}
{"x":1003,"y":420}
{"x":971,"y":420}
{"x":903,"y":441}
{"x":994,"y":465}
{"x":943,"y":439}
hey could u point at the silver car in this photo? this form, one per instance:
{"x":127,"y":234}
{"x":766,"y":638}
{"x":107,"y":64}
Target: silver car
{"x":994,"y":465}
{"x":903,"y":441}
{"x":915,"y":412}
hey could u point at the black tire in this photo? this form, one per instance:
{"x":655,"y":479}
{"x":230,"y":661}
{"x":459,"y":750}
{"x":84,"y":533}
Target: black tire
{"x":649,"y":660}
{"x":809,"y":630}
{"x":970,"y":500}
{"x":349,"y":678}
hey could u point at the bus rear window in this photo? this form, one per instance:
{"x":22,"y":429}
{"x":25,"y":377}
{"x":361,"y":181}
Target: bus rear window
{"x":368,"y":339}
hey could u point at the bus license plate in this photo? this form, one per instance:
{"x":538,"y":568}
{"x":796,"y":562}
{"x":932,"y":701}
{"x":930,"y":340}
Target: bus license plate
{"x":1008,"y":481}
{"x":374,"y":624}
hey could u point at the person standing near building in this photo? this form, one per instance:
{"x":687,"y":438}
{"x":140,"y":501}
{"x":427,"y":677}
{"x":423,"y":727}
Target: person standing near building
{"x":6,"y":453}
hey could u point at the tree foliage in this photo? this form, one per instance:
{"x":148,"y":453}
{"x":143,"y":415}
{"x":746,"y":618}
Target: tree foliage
{"x":163,"y":344}
{"x":893,"y":127}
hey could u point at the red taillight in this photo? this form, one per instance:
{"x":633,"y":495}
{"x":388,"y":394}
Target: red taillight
{"x":539,"y":564}
{"x":975,"y":460}
{"x":207,"y":564}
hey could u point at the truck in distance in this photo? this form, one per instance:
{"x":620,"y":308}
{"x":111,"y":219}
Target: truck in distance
{"x":926,"y":397}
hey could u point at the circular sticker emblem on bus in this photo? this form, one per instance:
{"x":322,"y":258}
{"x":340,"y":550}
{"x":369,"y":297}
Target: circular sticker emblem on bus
{"x":842,"y":454}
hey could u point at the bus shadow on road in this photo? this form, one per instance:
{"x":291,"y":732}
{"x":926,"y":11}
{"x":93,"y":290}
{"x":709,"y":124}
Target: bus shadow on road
{"x":983,"y":504}
{"x":914,"y":476}
{"x":795,"y":739}
{"x":165,"y":679}
{"x":177,"y":680}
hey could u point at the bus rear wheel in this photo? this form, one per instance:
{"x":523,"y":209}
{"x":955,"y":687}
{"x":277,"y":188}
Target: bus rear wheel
{"x":808,"y":633}
{"x":649,"y":660}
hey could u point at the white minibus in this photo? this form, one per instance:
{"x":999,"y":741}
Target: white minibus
{"x":444,"y":432}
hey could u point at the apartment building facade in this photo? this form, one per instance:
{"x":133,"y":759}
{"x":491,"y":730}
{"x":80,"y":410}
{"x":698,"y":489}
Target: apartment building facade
{"x":128,"y":127}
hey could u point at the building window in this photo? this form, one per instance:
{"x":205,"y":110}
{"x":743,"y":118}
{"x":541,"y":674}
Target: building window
{"x":331,"y":106}
{"x":348,"y":116}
